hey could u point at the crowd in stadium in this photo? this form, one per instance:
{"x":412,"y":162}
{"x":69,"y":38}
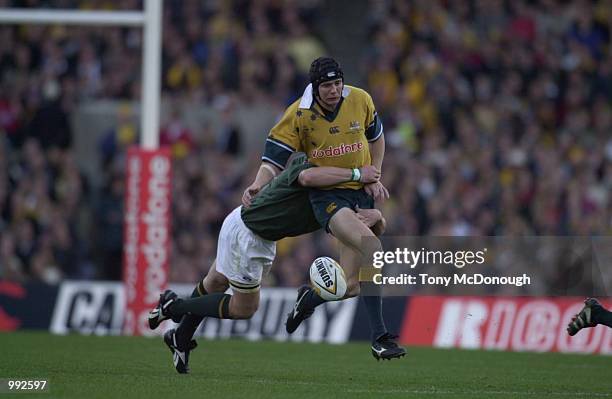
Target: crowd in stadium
{"x":497,"y":120}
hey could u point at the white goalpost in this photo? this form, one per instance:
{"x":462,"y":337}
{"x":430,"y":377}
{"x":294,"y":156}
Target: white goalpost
{"x":148,"y":171}
{"x":149,"y":20}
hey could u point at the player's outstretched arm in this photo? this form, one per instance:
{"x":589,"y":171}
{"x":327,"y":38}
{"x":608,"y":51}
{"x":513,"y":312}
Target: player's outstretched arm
{"x":266,"y":172}
{"x":324,"y":176}
{"x":377,"y":150}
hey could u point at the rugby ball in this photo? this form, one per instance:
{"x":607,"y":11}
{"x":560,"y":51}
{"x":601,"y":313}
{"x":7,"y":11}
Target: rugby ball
{"x":327,"y":279}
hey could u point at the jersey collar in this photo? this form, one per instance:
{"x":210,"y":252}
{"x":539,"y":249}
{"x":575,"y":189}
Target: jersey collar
{"x":307,"y":98}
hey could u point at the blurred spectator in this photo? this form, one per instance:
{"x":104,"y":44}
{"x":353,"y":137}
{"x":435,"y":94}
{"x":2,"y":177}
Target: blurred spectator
{"x":11,"y":266}
{"x":518,"y":123}
{"x":119,"y":138}
{"x":497,"y":117}
{"x":176,"y":135}
{"x":228,"y":138}
{"x":109,"y":231}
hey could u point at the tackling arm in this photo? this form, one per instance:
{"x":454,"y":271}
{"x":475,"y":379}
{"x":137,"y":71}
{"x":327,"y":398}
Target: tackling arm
{"x":324,"y":176}
{"x":266,"y":172}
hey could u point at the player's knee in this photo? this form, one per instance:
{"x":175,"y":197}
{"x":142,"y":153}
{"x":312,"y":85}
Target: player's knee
{"x":215,"y":283}
{"x":243,"y":311}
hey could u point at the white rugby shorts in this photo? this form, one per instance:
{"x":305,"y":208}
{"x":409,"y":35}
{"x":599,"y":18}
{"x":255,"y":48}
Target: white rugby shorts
{"x":242,"y":256}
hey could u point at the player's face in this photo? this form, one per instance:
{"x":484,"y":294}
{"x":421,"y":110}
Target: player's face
{"x":330,"y":93}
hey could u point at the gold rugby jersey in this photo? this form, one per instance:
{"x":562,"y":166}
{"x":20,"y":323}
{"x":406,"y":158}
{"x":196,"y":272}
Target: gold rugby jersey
{"x":337,"y":139}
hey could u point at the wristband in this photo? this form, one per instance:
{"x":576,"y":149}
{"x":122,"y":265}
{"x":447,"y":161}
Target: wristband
{"x":355,"y":174}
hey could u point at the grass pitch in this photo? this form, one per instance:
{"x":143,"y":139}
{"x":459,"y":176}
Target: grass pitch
{"x":132,"y":367}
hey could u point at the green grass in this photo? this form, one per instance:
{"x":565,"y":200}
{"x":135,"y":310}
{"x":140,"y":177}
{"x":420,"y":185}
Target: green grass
{"x":131,"y":367}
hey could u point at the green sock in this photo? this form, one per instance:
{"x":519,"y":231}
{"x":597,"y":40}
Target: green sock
{"x":190,"y":322}
{"x":212,"y":305}
{"x":603,"y":316}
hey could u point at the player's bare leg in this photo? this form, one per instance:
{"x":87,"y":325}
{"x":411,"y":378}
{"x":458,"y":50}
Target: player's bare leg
{"x":353,"y":233}
{"x":350,"y":232}
{"x":350,"y":260}
{"x":241,"y":305}
{"x":358,"y":244}
{"x":344,"y":223}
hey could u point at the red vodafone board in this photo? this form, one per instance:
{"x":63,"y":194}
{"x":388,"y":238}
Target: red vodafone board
{"x":146,"y":244}
{"x":501,"y":323}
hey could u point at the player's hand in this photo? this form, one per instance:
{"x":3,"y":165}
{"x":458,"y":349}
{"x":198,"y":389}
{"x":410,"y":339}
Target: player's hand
{"x":248,"y":194}
{"x":369,"y":174}
{"x":377,"y":191}
{"x":369,"y":217}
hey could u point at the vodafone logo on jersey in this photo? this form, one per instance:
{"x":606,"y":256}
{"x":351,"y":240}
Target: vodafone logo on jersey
{"x":146,"y":234}
{"x":501,"y":323}
{"x":338,"y":151}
